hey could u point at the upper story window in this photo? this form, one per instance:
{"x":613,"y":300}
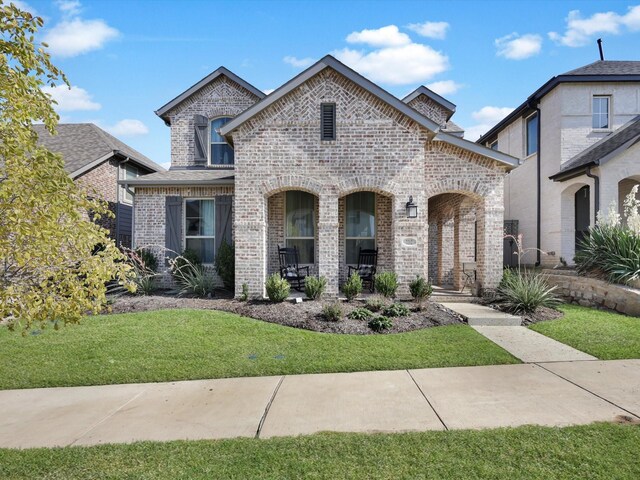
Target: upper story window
{"x":532,"y":135}
{"x":127,"y":172}
{"x":494,"y":145}
{"x":600,"y":112}
{"x":220,"y":152}
{"x":328,"y":121}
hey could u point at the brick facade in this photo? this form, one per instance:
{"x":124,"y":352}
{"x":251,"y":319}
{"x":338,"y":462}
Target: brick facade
{"x":102,"y":182}
{"x":430,"y":109}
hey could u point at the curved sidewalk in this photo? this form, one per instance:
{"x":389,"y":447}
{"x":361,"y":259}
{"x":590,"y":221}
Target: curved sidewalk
{"x":386,"y":401}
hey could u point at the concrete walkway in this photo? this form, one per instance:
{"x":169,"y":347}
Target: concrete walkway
{"x":390,"y":401}
{"x":481,"y":315}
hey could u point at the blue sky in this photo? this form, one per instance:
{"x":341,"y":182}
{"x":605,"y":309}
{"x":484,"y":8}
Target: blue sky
{"x":125,"y":59}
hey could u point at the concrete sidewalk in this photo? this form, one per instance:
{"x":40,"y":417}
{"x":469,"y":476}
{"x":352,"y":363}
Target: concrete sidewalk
{"x":554,"y":394}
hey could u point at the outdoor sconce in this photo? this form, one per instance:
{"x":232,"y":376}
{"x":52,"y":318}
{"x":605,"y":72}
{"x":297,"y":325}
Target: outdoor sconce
{"x":412,"y":208}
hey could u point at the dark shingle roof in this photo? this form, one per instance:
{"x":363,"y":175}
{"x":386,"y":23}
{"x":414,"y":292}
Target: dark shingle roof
{"x":82,"y":144}
{"x":184,"y":177}
{"x":628,"y":133}
{"x":608,"y":67}
{"x":452,"y":127}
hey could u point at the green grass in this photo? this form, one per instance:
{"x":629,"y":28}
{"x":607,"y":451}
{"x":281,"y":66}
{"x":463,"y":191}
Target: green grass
{"x":185,"y":344}
{"x":605,"y":335}
{"x":600,"y":451}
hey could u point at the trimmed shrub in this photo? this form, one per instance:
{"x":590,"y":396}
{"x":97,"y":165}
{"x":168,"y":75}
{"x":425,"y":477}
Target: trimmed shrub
{"x":332,"y":312}
{"x":314,"y":287}
{"x":525,"y":292}
{"x":226,"y":265}
{"x":380,"y":324}
{"x":352,"y":287}
{"x":277,"y":288}
{"x":244,"y":296}
{"x":375,"y":303}
{"x":387,"y":284}
{"x":360,"y":314}
{"x":396,"y":310}
{"x":420,"y":290}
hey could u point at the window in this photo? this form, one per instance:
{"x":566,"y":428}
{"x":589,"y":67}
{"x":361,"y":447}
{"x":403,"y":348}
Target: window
{"x":360,"y":224}
{"x":600,"y":112}
{"x":494,"y":145}
{"x":328,"y":121}
{"x":220,"y":152}
{"x":199,"y":228}
{"x":127,"y":172}
{"x":300,"y":224}
{"x":532,"y":134}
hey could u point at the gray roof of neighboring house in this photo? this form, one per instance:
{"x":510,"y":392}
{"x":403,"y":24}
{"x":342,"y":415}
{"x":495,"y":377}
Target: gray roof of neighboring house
{"x":422,"y":90}
{"x":603,"y":150}
{"x":452,"y":127}
{"x":203,"y":176}
{"x":600,"y":71}
{"x":85,"y":145}
{"x":161,"y":112}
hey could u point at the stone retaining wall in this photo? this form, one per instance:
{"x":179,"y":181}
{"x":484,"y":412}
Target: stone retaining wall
{"x":591,"y":292}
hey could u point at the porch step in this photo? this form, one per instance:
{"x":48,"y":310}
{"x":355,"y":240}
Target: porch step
{"x":479,"y":315}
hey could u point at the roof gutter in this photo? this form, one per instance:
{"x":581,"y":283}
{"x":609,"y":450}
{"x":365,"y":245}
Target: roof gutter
{"x":596,"y":188}
{"x":161,"y":183}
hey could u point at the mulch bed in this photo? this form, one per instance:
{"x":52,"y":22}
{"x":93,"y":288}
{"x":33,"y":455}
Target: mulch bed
{"x":306,"y":315}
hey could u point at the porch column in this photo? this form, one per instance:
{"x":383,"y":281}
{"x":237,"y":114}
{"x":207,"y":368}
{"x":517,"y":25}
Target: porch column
{"x":490,"y":218}
{"x":328,"y":243}
{"x":409,"y":242}
{"x":250,"y":244}
{"x":464,"y":240}
{"x":446,"y":247}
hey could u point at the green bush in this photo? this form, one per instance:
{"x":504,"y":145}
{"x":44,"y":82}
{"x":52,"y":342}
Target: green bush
{"x":332,"y":312}
{"x":244,"y":296}
{"x":420,"y":290}
{"x":314,"y":287}
{"x":277,"y":288}
{"x":379,"y":324}
{"x":396,"y":310}
{"x":194,"y":279}
{"x":387,"y":284}
{"x":352,"y":287}
{"x":360,"y":314}
{"x":525,"y":292}
{"x":226,"y":265}
{"x":149,"y":260}
{"x":611,"y":252}
{"x":375,"y":303}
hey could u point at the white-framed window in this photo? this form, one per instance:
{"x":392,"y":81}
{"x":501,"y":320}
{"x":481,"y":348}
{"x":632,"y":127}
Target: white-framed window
{"x":531,"y":143}
{"x":360,"y":224}
{"x":199,"y":228}
{"x":299,"y":224}
{"x":220,"y":152}
{"x":600,"y":112}
{"x":127,"y":172}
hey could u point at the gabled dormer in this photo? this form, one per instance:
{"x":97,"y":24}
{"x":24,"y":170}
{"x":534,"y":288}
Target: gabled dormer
{"x":434,"y":107}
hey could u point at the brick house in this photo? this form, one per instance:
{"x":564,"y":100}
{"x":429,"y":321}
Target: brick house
{"x":578,"y":141}
{"x":97,"y":160}
{"x":327,"y":163}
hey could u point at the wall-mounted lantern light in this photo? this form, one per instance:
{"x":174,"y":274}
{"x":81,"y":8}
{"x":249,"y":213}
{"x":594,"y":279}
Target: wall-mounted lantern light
{"x":412,"y":208}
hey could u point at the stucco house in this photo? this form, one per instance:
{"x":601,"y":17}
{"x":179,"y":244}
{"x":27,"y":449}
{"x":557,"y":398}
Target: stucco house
{"x":96,"y":160}
{"x":578,"y":141}
{"x":327,"y":163}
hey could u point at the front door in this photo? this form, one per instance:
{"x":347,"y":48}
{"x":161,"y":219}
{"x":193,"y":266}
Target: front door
{"x":583,"y":215}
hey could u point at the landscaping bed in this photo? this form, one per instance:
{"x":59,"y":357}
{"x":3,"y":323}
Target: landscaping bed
{"x":541,"y":314}
{"x":306,"y":315}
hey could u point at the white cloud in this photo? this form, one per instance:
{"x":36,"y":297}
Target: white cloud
{"x":298,"y":62}
{"x":268,"y":91}
{"x":388,"y":36}
{"x":71,"y":99}
{"x":445,"y":87}
{"x":77,"y":36}
{"x":127,"y":128}
{"x":436,"y":30}
{"x":69,"y":7}
{"x":519,"y":47}
{"x":486,"y":117}
{"x":581,"y":31}
{"x":24,"y":6}
{"x":166,"y":165}
{"x":412,"y":63}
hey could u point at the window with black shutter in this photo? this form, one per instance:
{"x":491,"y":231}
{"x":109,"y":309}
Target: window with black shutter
{"x":328,"y":121}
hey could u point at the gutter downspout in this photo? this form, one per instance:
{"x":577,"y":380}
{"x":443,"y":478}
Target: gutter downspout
{"x":596,"y":189}
{"x":133,"y":214}
{"x":538,"y":190}
{"x":122,"y":162}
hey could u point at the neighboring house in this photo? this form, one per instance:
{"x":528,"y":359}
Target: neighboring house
{"x":578,"y":141}
{"x":97,"y":160}
{"x":327,"y":163}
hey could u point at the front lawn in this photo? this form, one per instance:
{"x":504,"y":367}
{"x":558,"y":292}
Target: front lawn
{"x":605,"y":335}
{"x":600,"y":451}
{"x":183,"y":344}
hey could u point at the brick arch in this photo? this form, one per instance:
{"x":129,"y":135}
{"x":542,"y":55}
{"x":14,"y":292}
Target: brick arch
{"x":474,"y":188}
{"x":292,"y":182}
{"x":348,"y":185}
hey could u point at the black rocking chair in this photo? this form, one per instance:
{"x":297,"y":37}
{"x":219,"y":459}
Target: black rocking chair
{"x":289,"y":268}
{"x":366,"y":269}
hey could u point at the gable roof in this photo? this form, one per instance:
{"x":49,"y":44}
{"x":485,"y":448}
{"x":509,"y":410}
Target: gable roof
{"x":443,"y":102}
{"x":600,"y":71}
{"x":85,"y":145}
{"x":330,"y":62}
{"x":604,"y":149}
{"x":207,"y":176}
{"x":162,"y":111}
{"x":470,"y":146}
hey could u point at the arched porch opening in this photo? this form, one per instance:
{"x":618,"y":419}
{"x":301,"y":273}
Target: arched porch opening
{"x":576,"y":215}
{"x":624,"y":189}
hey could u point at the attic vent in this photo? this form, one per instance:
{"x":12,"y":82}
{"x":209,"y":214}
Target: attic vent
{"x":328,"y":121}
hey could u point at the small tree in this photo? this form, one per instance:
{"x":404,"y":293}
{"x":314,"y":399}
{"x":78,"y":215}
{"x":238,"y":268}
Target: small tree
{"x":226,"y":264}
{"x":420,"y":290}
{"x":54,"y":261}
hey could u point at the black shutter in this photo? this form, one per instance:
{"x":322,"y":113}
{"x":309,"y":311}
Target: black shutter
{"x":328,"y":121}
{"x":201,"y":145}
{"x":223,"y":220}
{"x":173,"y":226}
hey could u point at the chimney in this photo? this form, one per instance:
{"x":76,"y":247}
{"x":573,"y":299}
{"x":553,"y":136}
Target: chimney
{"x":600,"y":49}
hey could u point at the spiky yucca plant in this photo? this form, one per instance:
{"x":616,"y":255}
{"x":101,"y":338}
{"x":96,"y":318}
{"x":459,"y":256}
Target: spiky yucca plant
{"x":524,"y":292}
